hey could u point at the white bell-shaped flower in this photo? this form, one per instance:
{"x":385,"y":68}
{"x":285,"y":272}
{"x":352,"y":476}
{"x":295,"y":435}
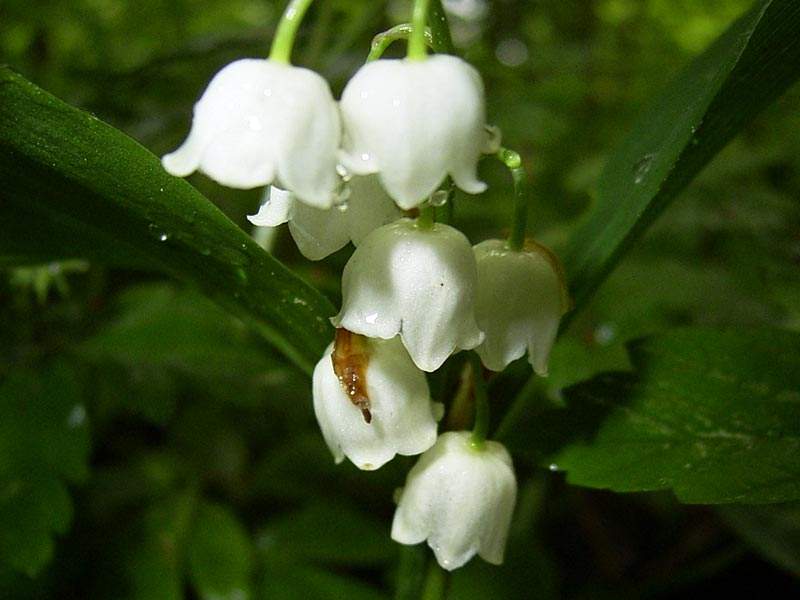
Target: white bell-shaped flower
{"x":319,"y":232}
{"x":417,"y":282}
{"x":414,"y":123}
{"x":460,"y":499}
{"x":260,"y":122}
{"x":522,"y":296}
{"x":379,"y":383}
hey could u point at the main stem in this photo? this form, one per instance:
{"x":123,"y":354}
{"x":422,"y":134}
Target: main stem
{"x":283,"y":42}
{"x":512,"y":160}
{"x":417,"y":49}
{"x":480,"y":428}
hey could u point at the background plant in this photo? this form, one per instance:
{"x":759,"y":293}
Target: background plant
{"x":157,"y":443}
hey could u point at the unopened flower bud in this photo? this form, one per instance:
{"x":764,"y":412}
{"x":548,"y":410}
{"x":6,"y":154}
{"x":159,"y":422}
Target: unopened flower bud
{"x":522,"y":296}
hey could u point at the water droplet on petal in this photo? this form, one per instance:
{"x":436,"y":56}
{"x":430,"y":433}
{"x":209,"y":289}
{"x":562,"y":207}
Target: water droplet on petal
{"x":343,"y":172}
{"x":341,"y":195}
{"x":439,"y":198}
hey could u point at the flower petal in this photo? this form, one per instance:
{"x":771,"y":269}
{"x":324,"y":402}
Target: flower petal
{"x":416,"y":282}
{"x":258,"y":119}
{"x":415,"y":122}
{"x":520,"y":302}
{"x":309,"y":145}
{"x":403,"y":416}
{"x":319,"y":233}
{"x":276,"y":208}
{"x":460,"y":499}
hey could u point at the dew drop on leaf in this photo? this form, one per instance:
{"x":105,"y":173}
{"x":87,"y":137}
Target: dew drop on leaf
{"x":642,"y":167}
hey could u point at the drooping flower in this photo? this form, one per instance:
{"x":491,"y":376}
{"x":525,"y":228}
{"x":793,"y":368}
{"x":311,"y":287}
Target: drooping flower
{"x":318,"y":232}
{"x":417,"y":282}
{"x":522,"y":296}
{"x":371,"y":402}
{"x":415,"y":122}
{"x":460,"y":499}
{"x":261,"y":122}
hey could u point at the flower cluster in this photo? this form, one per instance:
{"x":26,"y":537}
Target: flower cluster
{"x":414,"y":292}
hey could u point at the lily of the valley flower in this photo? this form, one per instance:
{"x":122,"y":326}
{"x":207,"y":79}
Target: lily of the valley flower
{"x":460,"y":499}
{"x":417,"y":282}
{"x":522,"y":296}
{"x":260,"y":122}
{"x":393,"y":396}
{"x":415,"y":122}
{"x":319,"y":233}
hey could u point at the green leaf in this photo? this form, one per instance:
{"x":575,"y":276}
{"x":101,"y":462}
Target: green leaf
{"x":773,"y":531}
{"x":284,"y":580}
{"x":747,"y":68}
{"x":155,"y":557}
{"x":159,"y":337}
{"x":157,"y":325}
{"x":44,"y":444}
{"x":76,"y":187}
{"x":526,"y":571}
{"x":303,"y":468}
{"x":712,"y":414}
{"x":329,"y":533}
{"x":219,"y":555}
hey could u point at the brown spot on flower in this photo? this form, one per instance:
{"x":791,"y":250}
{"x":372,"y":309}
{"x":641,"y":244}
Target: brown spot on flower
{"x":535,"y":247}
{"x":350,"y":359}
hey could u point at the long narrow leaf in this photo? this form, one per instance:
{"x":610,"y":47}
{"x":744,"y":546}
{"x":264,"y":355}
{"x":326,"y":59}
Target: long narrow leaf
{"x":72,"y":186}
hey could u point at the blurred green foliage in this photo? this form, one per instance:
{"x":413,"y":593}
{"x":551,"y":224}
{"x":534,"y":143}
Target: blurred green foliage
{"x":194,"y":465}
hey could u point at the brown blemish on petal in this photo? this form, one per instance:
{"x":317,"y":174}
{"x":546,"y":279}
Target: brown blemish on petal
{"x":545,"y":252}
{"x":350,"y":359}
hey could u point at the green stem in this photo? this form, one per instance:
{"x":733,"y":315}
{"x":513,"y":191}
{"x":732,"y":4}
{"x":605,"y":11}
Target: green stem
{"x":480,"y":428}
{"x":521,"y":405}
{"x":283,"y":43}
{"x":419,"y":22}
{"x":411,"y":572}
{"x":461,"y":410}
{"x":382,"y":41}
{"x":513,"y":161}
{"x":435,"y":583}
{"x":427,"y":217}
{"x":447,"y":213}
